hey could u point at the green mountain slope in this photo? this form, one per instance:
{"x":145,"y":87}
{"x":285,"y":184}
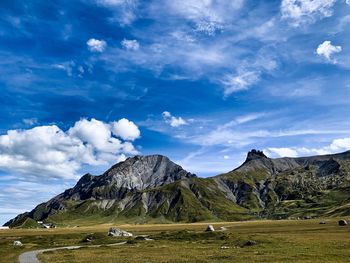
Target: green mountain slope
{"x":154,"y":189}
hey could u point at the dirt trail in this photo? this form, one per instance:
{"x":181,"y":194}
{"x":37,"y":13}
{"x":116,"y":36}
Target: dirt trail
{"x":31,"y":256}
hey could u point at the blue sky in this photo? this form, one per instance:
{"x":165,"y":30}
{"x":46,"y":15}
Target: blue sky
{"x":85,"y":84}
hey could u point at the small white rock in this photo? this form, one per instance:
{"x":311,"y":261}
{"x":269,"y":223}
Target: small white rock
{"x":17,"y":243}
{"x":210,"y":228}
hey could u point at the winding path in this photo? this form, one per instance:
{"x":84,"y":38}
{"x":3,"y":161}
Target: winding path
{"x":31,"y":256}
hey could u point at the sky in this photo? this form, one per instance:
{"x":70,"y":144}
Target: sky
{"x":85,"y":84}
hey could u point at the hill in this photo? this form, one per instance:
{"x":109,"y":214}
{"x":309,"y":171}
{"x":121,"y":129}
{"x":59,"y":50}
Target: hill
{"x":155,"y":189}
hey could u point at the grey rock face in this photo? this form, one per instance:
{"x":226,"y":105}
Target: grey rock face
{"x":136,"y":173}
{"x":119,"y":183}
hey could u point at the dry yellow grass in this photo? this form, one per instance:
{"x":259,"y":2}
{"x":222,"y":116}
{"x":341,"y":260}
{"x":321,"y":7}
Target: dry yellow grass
{"x":276,"y":241}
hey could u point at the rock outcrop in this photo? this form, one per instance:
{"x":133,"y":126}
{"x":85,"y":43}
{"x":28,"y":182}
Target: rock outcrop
{"x":116,"y":232}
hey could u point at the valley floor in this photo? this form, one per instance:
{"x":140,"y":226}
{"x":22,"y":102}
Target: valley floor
{"x":254,"y":241}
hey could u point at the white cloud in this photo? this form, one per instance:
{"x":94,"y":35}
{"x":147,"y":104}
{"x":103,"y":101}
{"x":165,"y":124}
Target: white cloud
{"x":49,"y":152}
{"x":336,"y":146}
{"x":130,"y":44}
{"x":95,"y":45}
{"x":326,"y":50}
{"x":124,"y":10}
{"x":299,"y":12}
{"x":240,"y":82}
{"x":284,"y":152}
{"x":66,"y":66}
{"x":30,"y":121}
{"x":111,"y":2}
{"x":248,"y":118}
{"x":72,"y":68}
{"x":172,"y":120}
{"x":249,"y":71}
{"x":126,"y":129}
{"x":208,"y":16}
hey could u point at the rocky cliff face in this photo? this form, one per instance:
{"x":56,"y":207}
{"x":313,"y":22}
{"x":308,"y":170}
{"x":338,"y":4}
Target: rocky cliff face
{"x":153,"y":188}
{"x":135,"y":174}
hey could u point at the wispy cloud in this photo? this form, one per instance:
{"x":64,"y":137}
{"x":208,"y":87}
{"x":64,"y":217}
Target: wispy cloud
{"x":299,"y":12}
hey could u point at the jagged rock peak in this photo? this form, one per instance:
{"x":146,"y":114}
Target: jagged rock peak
{"x":142,"y":172}
{"x":255,"y":154}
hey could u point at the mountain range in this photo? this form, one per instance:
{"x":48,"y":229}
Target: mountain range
{"x":154,"y":189}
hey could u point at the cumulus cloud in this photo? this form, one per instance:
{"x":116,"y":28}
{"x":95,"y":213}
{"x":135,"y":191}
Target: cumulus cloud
{"x":336,"y":146}
{"x":126,"y":129}
{"x":299,"y":12}
{"x":130,"y":44}
{"x":284,"y":152}
{"x":326,"y":50}
{"x":95,"y":45}
{"x":49,"y":152}
{"x":172,"y":120}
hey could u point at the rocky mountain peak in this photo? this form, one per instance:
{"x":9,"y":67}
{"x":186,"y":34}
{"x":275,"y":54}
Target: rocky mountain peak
{"x":141,"y":172}
{"x":134,"y":174}
{"x":255,"y":154}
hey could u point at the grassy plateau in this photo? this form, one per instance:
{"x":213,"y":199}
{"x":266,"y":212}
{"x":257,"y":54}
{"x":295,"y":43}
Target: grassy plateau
{"x":251,"y":241}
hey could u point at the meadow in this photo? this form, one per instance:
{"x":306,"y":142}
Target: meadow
{"x":252,"y":241}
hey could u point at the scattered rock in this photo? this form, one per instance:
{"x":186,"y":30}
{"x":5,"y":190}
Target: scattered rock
{"x":342,"y":222}
{"x":17,"y":243}
{"x":210,"y":228}
{"x":224,"y":247}
{"x":307,"y":217}
{"x":144,"y":237}
{"x":223,"y":228}
{"x":322,"y":223}
{"x":89,"y":238}
{"x":116,"y":232}
{"x":140,"y":238}
{"x":250,"y":243}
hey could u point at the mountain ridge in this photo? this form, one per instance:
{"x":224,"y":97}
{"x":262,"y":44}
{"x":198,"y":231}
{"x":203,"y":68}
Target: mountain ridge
{"x":153,"y":188}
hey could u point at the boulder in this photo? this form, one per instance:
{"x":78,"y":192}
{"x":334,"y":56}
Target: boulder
{"x":210,"y":228}
{"x":322,"y":223}
{"x":116,"y":232}
{"x":250,"y":243}
{"x":17,"y":243}
{"x":342,"y":222}
{"x":222,"y":228}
